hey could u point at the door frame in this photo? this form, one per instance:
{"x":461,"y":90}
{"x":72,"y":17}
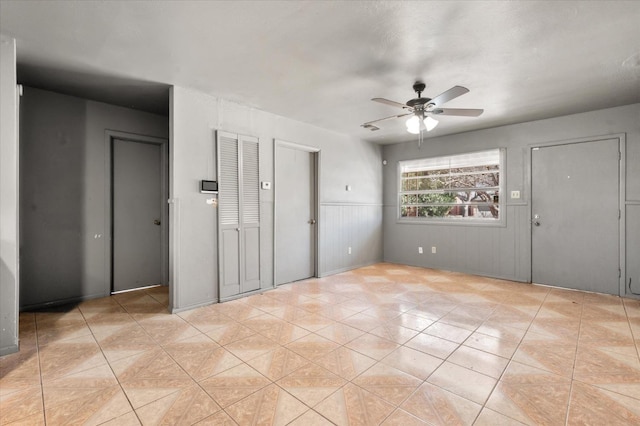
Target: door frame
{"x":110,"y":136}
{"x":316,"y":201}
{"x":621,"y":197}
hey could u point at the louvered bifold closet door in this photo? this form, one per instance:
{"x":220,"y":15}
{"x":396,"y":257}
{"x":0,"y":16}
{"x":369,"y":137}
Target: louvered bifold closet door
{"x":228,"y":215}
{"x":250,"y":247}
{"x":238,"y":214}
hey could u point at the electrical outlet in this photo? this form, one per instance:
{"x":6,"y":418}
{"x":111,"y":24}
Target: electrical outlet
{"x":515,"y":195}
{"x":349,"y":250}
{"x":419,"y":250}
{"x":433,"y":249}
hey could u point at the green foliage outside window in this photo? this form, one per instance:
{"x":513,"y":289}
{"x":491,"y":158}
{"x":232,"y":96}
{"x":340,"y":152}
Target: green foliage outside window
{"x":424,"y":211}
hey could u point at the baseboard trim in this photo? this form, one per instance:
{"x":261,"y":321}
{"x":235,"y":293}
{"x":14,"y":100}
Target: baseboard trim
{"x":62,"y":302}
{"x":11,"y":349}
{"x":462,"y":271}
{"x":348,"y":268}
{"x":195,"y":306}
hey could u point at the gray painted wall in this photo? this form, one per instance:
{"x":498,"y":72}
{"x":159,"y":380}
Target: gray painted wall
{"x":343,"y":161}
{"x":9,"y":275}
{"x":506,"y":251}
{"x":349,"y":225}
{"x":64,"y":193}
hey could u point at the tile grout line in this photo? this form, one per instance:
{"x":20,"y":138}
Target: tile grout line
{"x":573,"y":371}
{"x":44,"y":411}
{"x":633,"y":336}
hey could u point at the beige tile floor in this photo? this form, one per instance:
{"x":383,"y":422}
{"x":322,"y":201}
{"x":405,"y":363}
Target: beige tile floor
{"x":385,"y":344}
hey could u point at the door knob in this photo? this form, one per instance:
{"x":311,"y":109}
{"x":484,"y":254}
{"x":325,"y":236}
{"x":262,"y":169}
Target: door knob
{"x":535,"y":221}
{"x":156,"y":222}
{"x":312,"y":221}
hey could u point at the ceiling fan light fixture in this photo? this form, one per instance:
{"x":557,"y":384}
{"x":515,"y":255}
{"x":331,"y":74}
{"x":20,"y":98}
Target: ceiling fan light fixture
{"x":430,"y":123}
{"x":416,"y":123}
{"x":413,"y":125}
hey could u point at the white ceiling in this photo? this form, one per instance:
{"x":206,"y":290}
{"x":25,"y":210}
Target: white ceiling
{"x":322,"y":61}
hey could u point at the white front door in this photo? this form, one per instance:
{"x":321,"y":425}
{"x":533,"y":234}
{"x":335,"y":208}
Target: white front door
{"x":295,"y":214}
{"x":575,"y":215}
{"x":137,"y":204}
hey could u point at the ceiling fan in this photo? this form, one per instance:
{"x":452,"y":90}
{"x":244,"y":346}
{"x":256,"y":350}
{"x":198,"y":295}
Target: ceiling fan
{"x":421,"y":109}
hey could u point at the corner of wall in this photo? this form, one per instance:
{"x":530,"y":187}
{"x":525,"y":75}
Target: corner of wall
{"x":9,"y":228}
{"x":193,"y":232}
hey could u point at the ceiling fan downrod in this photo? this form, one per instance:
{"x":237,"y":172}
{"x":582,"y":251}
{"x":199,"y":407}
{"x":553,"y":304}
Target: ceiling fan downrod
{"x":419,"y":87}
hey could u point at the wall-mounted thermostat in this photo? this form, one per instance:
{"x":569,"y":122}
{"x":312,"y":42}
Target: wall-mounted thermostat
{"x":209,"y":187}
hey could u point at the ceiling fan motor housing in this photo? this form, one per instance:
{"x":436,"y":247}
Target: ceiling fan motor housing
{"x":419,"y":102}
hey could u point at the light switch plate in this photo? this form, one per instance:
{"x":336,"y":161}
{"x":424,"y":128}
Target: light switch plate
{"x":515,"y":195}
{"x":265,"y":185}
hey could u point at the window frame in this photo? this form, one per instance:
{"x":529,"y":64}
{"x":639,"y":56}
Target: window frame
{"x":457,"y":221}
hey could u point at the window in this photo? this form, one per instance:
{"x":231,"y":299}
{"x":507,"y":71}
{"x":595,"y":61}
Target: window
{"x":454,"y":188}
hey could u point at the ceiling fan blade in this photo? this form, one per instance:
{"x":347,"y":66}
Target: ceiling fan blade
{"x":388,"y":102}
{"x":462,"y":112}
{"x":385,"y":119}
{"x":450,"y":94}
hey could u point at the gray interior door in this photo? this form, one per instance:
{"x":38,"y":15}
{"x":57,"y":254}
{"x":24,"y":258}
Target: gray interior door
{"x":137,"y":204}
{"x":575,"y":202}
{"x":295,"y":214}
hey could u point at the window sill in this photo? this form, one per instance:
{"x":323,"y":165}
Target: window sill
{"x":454,"y":222}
